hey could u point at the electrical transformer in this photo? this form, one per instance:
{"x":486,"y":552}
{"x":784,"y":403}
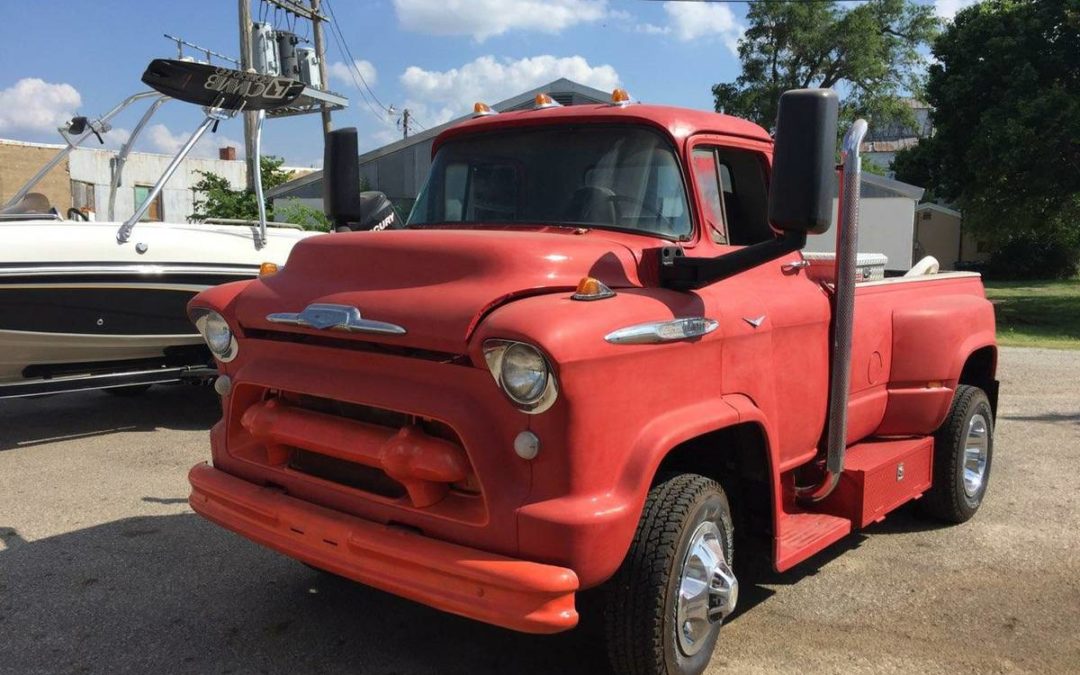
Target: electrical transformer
{"x":308,"y":63}
{"x":264,"y":50}
{"x":286,"y":43}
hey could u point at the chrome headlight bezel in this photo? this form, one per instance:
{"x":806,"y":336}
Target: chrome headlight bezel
{"x":534,"y":403}
{"x":207,"y":321}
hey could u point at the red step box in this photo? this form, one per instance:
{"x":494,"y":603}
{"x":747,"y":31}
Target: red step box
{"x":879,"y":476}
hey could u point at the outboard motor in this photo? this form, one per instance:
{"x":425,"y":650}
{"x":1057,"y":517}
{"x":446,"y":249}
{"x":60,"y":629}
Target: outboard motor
{"x":376,"y":213}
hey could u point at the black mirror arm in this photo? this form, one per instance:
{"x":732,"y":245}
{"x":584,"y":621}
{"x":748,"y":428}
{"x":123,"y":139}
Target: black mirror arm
{"x":681,"y":273}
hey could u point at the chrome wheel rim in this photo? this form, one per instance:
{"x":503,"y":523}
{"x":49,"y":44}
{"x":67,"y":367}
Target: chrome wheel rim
{"x":708,"y":589}
{"x":976,"y":453}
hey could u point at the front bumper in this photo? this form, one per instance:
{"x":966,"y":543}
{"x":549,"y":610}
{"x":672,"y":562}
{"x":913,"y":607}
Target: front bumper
{"x":517,"y":594}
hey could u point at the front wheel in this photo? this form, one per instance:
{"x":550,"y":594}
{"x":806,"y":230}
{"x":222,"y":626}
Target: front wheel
{"x":963,"y":451}
{"x":664,"y":606}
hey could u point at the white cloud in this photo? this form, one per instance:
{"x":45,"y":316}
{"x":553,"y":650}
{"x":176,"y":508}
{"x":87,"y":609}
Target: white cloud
{"x":439,"y":96}
{"x":689,"y":21}
{"x":34,"y":105}
{"x":158,"y":138}
{"x":485,"y":18}
{"x":341,"y":72}
{"x":947,"y":9}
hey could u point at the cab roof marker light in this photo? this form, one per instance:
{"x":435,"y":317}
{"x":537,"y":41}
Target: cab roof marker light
{"x":268,"y":268}
{"x":592,"y":289}
{"x":620,"y":98}
{"x":662,"y":331}
{"x":545,"y":101}
{"x":481,"y":109}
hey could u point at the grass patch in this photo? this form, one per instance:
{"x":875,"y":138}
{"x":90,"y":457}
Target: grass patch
{"x":1037,"y":313}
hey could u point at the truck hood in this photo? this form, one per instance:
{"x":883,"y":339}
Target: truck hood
{"x":436,"y":284}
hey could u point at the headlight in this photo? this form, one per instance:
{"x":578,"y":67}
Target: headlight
{"x":217,"y":334}
{"x":522,"y":373}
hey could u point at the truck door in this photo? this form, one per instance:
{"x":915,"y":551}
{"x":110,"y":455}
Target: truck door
{"x":774,"y":319}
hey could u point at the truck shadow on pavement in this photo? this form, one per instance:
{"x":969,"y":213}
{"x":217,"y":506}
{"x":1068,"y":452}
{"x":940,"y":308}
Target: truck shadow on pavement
{"x":174,"y":593}
{"x":33,"y":421}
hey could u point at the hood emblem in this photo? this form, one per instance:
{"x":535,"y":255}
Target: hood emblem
{"x":335,"y":317}
{"x":756,"y":322}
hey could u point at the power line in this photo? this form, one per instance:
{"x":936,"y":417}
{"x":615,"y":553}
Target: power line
{"x":343,"y":45}
{"x":357,"y":77}
{"x":348,"y":53}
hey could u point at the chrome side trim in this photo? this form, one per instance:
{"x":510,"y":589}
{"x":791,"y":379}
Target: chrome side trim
{"x":662,"y":331}
{"x":144,"y":269}
{"x":335,"y":317}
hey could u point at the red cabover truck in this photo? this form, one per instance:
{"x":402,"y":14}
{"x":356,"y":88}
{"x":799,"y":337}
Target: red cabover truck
{"x":591,"y":359}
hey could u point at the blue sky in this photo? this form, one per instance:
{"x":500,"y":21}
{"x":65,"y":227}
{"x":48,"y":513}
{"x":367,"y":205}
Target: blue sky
{"x":435,"y":57}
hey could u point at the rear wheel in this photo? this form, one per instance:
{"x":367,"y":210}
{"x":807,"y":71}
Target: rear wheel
{"x":664,"y":606}
{"x":963,"y":452}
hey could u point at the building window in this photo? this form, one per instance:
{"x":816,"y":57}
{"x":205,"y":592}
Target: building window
{"x":155,"y":212}
{"x":82,"y":195}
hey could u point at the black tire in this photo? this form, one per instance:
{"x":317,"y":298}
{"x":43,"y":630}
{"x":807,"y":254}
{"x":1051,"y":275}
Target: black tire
{"x":948,"y":499}
{"x":640,"y":600}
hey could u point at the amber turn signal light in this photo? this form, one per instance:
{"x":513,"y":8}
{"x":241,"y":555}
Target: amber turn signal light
{"x":590,"y":288}
{"x":544,"y":101}
{"x":481,"y":109}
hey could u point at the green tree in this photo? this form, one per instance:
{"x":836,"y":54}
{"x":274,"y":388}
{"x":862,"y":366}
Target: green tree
{"x":869,"y":53}
{"x":215,"y":198}
{"x":296,"y":212}
{"x":1005,"y":88}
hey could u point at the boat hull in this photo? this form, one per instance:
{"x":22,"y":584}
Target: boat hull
{"x":83,"y":306}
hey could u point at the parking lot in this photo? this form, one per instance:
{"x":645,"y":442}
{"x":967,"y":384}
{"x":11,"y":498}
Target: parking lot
{"x":104,"y":568}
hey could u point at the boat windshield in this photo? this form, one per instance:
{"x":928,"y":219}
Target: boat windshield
{"x":623,"y":178}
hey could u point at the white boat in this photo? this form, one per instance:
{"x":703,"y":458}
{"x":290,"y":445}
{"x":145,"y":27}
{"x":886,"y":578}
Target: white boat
{"x":92,"y":305}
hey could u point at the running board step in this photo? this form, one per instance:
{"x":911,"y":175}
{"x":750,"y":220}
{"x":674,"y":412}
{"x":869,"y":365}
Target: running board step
{"x":801,"y":535}
{"x":879,"y":476}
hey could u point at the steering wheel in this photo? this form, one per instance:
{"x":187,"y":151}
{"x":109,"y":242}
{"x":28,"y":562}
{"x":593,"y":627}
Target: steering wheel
{"x":75,"y":214}
{"x":616,"y":199}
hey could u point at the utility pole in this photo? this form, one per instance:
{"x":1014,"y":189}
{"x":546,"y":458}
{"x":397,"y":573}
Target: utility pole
{"x":320,"y":53}
{"x":405,"y":123}
{"x":249,"y":117}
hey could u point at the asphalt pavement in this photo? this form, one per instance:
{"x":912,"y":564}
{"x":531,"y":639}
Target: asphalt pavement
{"x":105,"y":569}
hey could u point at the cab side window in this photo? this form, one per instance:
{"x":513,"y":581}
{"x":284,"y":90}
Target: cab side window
{"x":710,"y":194}
{"x":732,"y":187}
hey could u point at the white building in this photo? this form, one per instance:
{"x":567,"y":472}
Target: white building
{"x":83,"y":181}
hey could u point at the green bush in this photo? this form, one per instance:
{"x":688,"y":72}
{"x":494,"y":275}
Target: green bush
{"x":1030,"y":255}
{"x":296,"y":212}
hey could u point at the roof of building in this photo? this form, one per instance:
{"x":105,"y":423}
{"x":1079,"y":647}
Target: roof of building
{"x":929,"y":206}
{"x":562,"y":90}
{"x":880,"y":186}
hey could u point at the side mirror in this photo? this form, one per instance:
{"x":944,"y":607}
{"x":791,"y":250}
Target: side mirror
{"x":804,"y":161}
{"x":341,"y":177}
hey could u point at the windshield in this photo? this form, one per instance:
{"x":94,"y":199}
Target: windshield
{"x":623,"y":178}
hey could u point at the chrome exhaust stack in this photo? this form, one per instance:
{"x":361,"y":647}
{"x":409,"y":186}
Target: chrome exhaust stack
{"x":847,"y":248}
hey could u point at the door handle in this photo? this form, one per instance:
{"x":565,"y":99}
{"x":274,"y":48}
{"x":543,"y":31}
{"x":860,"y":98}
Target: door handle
{"x":794,"y":267}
